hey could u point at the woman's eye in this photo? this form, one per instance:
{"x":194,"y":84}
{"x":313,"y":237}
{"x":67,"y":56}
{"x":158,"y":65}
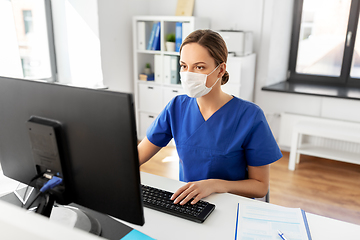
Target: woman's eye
{"x":199,"y":67}
{"x":182,"y":66}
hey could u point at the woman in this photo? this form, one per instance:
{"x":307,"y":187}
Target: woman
{"x":224,"y":143}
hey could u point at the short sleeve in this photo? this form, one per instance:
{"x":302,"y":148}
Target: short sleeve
{"x":261,"y":147}
{"x":159,"y":132}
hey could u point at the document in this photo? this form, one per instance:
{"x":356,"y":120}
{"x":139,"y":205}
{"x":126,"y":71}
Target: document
{"x":158,"y":68}
{"x":175,"y":69}
{"x":141,"y":31}
{"x":255,"y":221}
{"x":167,"y":69}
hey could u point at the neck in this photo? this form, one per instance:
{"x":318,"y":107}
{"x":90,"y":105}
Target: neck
{"x":212,"y":102}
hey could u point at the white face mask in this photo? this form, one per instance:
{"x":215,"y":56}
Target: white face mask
{"x":194,"y":84}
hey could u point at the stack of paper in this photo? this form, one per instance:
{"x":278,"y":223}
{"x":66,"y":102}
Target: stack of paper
{"x":264,"y":222}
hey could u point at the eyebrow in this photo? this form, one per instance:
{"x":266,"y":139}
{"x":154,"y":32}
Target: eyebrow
{"x":195,"y":63}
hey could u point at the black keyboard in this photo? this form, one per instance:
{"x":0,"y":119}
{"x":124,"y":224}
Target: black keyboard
{"x":160,"y":200}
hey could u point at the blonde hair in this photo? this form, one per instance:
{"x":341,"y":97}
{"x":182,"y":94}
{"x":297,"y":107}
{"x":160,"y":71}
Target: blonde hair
{"x":214,"y":43}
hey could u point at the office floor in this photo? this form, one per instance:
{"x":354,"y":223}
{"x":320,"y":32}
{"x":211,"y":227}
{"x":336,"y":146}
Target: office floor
{"x":321,"y":186}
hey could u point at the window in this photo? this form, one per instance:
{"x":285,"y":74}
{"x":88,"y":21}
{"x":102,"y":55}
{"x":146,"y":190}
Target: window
{"x":28,"y":24}
{"x":26,"y":45}
{"x":325,"y":47}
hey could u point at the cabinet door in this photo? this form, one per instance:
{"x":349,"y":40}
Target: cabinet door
{"x":145,"y":120}
{"x":150,"y":98}
{"x":232,"y":89}
{"x":233,"y":67}
{"x":170,"y":93}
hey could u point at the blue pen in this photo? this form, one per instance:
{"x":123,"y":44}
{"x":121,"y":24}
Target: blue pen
{"x":281,"y":235}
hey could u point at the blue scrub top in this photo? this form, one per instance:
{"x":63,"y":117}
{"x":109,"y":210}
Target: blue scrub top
{"x":235,"y":136}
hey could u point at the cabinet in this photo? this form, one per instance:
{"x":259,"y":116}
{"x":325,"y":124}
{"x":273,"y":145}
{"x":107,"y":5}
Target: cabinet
{"x":152,"y":96}
{"x":241,"y":76}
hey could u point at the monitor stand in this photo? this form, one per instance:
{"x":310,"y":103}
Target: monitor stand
{"x":76,"y":218}
{"x":67,"y":215}
{"x":110,"y":228}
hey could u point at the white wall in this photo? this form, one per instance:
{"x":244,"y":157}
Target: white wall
{"x":115,"y":24}
{"x":77,"y":44}
{"x":273,"y":58}
{"x":227,"y":14}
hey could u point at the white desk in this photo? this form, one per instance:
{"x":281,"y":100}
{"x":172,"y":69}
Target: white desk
{"x":221,"y":223}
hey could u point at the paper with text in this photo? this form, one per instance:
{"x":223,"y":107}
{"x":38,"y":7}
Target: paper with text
{"x":255,"y":222}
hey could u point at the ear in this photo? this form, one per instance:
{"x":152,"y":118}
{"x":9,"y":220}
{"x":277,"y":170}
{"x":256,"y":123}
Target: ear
{"x":222,"y":68}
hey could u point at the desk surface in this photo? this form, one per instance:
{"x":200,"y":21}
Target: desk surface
{"x":221,"y":223}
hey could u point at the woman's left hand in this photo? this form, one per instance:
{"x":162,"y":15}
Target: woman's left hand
{"x":196,"y":190}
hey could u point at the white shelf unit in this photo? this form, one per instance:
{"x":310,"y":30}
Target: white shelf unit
{"x":336,"y":136}
{"x":152,"y":96}
{"x":329,"y":153}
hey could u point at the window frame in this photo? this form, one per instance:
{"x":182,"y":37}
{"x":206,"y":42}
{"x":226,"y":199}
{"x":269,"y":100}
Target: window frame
{"x":51,"y":41}
{"x":344,"y":79}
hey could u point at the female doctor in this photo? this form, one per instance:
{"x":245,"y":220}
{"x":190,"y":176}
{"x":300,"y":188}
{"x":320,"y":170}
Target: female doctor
{"x":224,"y":143}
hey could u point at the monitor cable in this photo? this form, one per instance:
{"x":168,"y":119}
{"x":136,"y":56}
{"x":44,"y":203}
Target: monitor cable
{"x":53,"y":182}
{"x":28,"y":185}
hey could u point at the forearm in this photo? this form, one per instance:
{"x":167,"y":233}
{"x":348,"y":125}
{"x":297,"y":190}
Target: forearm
{"x":256,"y":186}
{"x":197,"y":190}
{"x":248,"y":188}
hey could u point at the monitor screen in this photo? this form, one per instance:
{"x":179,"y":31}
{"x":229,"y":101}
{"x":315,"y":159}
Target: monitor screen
{"x":99,"y":142}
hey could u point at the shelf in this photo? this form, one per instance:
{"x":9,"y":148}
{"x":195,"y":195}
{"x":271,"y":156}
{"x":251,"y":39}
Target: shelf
{"x":153,"y":83}
{"x":171,"y":53}
{"x":149,"y":82}
{"x":148,"y":51}
{"x":158,"y":52}
{"x":329,"y":153}
{"x":153,"y":96}
{"x":165,"y":18}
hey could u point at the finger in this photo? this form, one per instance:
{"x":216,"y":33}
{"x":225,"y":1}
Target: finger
{"x":196,"y":199}
{"x":179,"y":191}
{"x":189,"y":197}
{"x":183,"y":195}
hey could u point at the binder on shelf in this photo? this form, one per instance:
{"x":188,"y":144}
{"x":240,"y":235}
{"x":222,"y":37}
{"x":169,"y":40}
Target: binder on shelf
{"x":141,"y":35}
{"x":156,"y":42}
{"x":152,"y":36}
{"x":175,"y":70}
{"x":150,"y":77}
{"x":178,"y":36}
{"x":158,"y":68}
{"x":186,"y":30}
{"x":167,"y":69}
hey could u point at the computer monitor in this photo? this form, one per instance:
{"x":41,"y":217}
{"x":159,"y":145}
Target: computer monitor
{"x":96,"y":139}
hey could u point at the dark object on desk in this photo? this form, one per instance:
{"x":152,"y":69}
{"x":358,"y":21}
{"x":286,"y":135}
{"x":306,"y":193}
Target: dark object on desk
{"x":160,"y":200}
{"x":99,"y":131}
